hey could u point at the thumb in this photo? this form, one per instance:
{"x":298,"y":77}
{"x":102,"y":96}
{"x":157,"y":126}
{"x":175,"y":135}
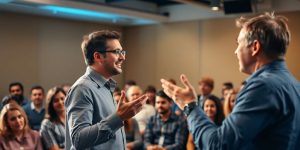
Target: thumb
{"x":122,"y":98}
{"x":185,"y":81}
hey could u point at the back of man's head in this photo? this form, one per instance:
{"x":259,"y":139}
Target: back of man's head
{"x":271,"y":31}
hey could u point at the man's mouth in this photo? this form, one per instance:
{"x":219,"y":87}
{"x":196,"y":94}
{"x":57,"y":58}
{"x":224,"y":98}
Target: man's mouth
{"x":119,"y":64}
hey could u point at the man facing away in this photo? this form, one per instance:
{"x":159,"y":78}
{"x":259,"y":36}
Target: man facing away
{"x":94,"y":120}
{"x":266,"y":113}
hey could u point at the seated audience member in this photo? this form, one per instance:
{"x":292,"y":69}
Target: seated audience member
{"x":225,"y":87}
{"x":150,"y":93}
{"x":15,"y":134}
{"x":206,"y":86}
{"x":147,"y":111}
{"x":8,"y":99}
{"x":17,"y":89}
{"x":133,"y":135}
{"x":128,"y":84}
{"x":165,"y":130}
{"x":35,"y":110}
{"x":53,"y":126}
{"x":229,"y":102}
{"x":213,"y":109}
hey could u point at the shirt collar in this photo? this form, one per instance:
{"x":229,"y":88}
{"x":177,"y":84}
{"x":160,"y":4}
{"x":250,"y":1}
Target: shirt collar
{"x":33,"y":107}
{"x":100,"y":80}
{"x":277,"y":64}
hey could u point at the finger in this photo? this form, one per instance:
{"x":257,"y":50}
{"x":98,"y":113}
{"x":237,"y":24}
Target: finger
{"x":185,"y":81}
{"x":138,"y":108}
{"x":122,"y":98}
{"x":169,"y":93}
{"x":142,"y":99}
{"x":169,"y":88}
{"x":167,"y":84}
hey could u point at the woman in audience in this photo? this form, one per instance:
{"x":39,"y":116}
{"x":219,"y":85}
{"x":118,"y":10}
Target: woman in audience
{"x":53,"y":126}
{"x":213,"y":109}
{"x":229,"y":102}
{"x":14,"y":130}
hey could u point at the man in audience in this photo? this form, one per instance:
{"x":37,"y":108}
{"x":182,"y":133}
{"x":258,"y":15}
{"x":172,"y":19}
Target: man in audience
{"x":150,"y":92}
{"x":128,"y":84}
{"x":266,"y":114}
{"x":206,"y":86}
{"x":93,"y":118}
{"x":35,"y":110}
{"x":226,"y":87}
{"x":17,"y":89}
{"x":147,"y":111}
{"x":165,"y":130}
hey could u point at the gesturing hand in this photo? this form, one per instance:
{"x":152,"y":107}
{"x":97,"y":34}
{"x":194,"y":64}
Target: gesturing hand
{"x":127,"y":110}
{"x":181,"y":95}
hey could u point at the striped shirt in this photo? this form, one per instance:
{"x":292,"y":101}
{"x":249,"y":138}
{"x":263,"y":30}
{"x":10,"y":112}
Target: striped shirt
{"x":53,"y":133}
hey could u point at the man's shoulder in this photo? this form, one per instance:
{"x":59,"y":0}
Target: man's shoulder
{"x":273,"y":79}
{"x":27,"y":107}
{"x":84,"y":82}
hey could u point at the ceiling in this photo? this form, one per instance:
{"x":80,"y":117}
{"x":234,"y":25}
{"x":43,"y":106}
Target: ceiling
{"x":141,"y":12}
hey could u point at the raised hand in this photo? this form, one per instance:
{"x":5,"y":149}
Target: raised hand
{"x":181,"y":95}
{"x":127,"y":110}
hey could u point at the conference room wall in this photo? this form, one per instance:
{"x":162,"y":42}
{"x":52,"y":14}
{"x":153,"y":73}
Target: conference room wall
{"x":46,"y":51}
{"x":42,"y":50}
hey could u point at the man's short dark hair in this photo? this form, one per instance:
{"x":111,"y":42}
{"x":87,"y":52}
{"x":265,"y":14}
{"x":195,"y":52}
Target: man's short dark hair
{"x":228,"y":85}
{"x":130,"y":82}
{"x":96,"y":42}
{"x":16,"y":84}
{"x":271,"y":31}
{"x":7,"y":99}
{"x":162,"y":94}
{"x":37,"y":87}
{"x":151,"y":89}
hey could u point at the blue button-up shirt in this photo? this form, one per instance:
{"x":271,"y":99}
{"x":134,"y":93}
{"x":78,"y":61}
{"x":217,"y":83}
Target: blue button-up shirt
{"x":91,"y":119}
{"x":266,"y":115}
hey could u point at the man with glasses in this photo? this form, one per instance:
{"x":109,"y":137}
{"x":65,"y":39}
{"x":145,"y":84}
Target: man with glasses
{"x":94,"y":120}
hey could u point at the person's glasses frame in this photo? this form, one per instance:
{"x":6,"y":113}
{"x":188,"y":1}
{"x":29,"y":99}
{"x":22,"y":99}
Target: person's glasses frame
{"x":117,"y":51}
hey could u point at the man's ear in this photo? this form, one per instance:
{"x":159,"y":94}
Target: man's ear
{"x":98,"y":57}
{"x":256,"y":48}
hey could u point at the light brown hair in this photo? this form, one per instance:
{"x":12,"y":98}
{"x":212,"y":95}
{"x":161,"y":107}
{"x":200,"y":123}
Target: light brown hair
{"x":5,"y":130}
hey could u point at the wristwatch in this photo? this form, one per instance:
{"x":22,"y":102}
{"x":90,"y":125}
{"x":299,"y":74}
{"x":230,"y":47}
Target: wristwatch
{"x":188,"y":108}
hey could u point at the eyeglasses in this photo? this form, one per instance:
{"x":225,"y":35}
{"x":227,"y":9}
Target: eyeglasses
{"x":119,"y":52}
